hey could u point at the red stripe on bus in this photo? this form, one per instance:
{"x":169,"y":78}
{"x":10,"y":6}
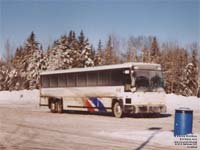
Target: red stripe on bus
{"x":90,"y":109}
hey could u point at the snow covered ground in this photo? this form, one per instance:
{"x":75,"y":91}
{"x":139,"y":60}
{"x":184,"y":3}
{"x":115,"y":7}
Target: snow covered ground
{"x":152,"y":133}
{"x":176,"y":101}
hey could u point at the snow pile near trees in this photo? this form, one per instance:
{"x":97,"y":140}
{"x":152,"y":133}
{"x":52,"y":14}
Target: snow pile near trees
{"x":176,"y":101}
{"x":23,"y":97}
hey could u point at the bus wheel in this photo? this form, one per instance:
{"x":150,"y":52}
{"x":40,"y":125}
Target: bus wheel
{"x":53,"y":106}
{"x":60,"y":106}
{"x":117,"y":110}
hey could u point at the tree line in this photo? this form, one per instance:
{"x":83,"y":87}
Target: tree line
{"x":21,"y":70}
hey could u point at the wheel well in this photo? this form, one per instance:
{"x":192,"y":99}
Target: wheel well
{"x":117,"y":100}
{"x":54,"y":99}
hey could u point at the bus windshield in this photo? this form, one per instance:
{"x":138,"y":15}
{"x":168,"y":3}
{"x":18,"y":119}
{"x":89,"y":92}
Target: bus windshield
{"x":148,"y":80}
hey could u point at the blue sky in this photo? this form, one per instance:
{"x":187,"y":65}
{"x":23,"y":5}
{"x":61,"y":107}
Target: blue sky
{"x":169,"y":20}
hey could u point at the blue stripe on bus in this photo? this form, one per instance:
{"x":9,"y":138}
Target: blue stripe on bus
{"x":98,"y":104}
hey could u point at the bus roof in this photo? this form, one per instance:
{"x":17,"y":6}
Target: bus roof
{"x":137,"y":65}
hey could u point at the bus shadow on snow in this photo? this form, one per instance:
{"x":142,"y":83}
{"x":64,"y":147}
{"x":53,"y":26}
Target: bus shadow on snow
{"x":109,"y":114}
{"x":148,"y":115}
{"x":155,"y":130}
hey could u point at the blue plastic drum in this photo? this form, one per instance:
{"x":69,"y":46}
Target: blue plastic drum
{"x":183,"y":121}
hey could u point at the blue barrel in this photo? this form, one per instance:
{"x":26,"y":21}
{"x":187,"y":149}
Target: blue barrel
{"x":183,"y":121}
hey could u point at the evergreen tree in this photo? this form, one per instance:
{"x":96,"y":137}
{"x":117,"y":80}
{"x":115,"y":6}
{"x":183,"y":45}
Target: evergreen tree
{"x":69,"y":52}
{"x":154,"y":51}
{"x":134,"y":45}
{"x":173,"y":61}
{"x":60,"y":55}
{"x":144,"y":45}
{"x":93,"y":53}
{"x":190,"y":80}
{"x":32,"y":61}
{"x":98,"y":59}
{"x":27,"y":61}
{"x":109,"y":53}
{"x":81,"y":40}
{"x":86,"y":54}
{"x":146,"y":55}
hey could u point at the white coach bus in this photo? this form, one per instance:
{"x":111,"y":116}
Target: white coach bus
{"x":120,"y":88}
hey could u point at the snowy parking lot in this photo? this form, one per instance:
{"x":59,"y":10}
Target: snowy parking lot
{"x":24,"y":125}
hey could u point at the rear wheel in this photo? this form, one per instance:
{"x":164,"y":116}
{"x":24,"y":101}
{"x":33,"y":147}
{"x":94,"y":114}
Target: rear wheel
{"x":117,"y":110}
{"x":60,"y":106}
{"x":53,"y":107}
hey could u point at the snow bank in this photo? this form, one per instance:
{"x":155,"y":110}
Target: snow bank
{"x":176,"y":101}
{"x":23,"y":97}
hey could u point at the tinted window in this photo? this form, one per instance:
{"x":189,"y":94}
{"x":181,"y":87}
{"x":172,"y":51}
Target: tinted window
{"x":45,"y":81}
{"x":92,"y":78}
{"x":81,"y":79}
{"x":71,"y":79}
{"x":62,"y":80}
{"x":117,"y":77}
{"x":53,"y":81}
{"x":104,"y":78}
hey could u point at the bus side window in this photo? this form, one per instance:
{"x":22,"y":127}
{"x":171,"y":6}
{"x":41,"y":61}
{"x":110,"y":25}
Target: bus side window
{"x":62,"y":80}
{"x":71,"y":79}
{"x":81,"y":79}
{"x":45,"y":81}
{"x":53,"y":81}
{"x":92,"y":78}
{"x":117,"y":77}
{"x":104,"y":78}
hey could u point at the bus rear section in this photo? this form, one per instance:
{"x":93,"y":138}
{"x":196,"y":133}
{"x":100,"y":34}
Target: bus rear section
{"x":124,"y":88}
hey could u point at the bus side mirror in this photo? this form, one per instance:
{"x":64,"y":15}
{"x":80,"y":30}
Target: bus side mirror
{"x":127,"y":87}
{"x":133,"y":82}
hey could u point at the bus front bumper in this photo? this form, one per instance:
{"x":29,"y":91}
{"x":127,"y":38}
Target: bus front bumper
{"x":145,"y":108}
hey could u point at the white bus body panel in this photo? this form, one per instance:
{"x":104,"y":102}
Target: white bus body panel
{"x":76,"y":98}
{"x":79,"y":98}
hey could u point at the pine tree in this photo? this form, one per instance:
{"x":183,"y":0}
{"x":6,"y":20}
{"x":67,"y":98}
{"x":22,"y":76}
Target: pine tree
{"x":2,"y":75}
{"x":85,"y":57}
{"x":81,"y":40}
{"x":93,"y":53}
{"x":146,"y":55}
{"x":33,"y":57}
{"x":69,"y":52}
{"x":60,"y":55}
{"x":109,"y":53}
{"x":190,"y":80}
{"x":134,"y":44}
{"x":98,"y":59}
{"x":27,"y":61}
{"x":154,"y":51}
{"x":173,"y":60}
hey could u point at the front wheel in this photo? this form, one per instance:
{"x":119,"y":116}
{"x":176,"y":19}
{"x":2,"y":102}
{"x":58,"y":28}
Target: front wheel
{"x":117,"y":110}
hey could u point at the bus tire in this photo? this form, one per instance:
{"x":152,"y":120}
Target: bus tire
{"x":117,"y":110}
{"x":59,"y":106}
{"x":53,"y":106}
